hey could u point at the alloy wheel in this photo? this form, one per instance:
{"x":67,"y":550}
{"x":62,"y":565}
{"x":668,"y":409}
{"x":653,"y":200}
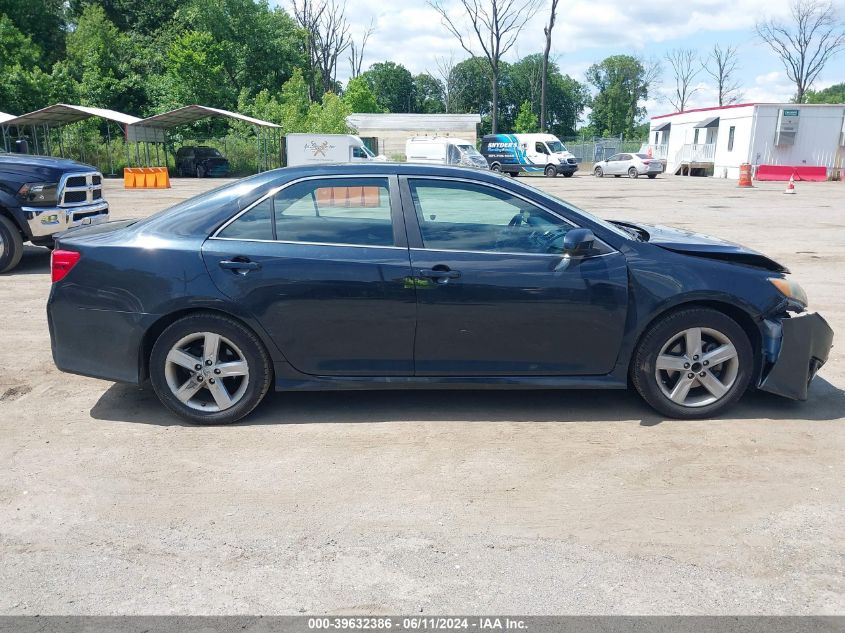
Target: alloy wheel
{"x":697,"y":367}
{"x":207,"y":372}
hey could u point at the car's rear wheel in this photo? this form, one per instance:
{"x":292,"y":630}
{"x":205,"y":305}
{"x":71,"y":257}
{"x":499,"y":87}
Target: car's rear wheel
{"x":496,"y":167}
{"x":210,"y":369}
{"x":633,"y":173}
{"x":551,"y":171}
{"x":693,"y":364}
{"x":11,"y":245}
{"x":598,"y":172}
{"x":568,"y":174}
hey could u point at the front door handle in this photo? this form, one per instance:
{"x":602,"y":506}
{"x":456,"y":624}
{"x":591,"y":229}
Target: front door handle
{"x":440,"y":273}
{"x":240,"y":265}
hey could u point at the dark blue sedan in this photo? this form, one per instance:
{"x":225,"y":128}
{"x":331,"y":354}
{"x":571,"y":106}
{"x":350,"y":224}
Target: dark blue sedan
{"x":388,"y":276}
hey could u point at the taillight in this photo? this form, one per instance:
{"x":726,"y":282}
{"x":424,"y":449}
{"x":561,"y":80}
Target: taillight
{"x":61,"y":263}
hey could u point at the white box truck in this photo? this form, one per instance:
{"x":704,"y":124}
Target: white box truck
{"x":443,"y":150}
{"x":310,"y":149}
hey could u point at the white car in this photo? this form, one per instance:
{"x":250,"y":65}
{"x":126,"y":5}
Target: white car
{"x":631,"y":165}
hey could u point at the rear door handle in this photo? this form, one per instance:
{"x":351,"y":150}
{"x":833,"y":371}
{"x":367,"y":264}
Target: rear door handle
{"x":239,"y":265}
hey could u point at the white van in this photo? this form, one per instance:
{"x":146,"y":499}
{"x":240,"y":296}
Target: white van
{"x":443,"y":150}
{"x":309,"y":149}
{"x":528,"y":153}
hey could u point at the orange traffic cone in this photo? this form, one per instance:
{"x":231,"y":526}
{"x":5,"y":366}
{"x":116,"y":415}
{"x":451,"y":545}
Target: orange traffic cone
{"x":790,"y":188}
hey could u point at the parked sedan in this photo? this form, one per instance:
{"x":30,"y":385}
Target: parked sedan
{"x":397,"y":276}
{"x":632,"y":165}
{"x":202,"y":162}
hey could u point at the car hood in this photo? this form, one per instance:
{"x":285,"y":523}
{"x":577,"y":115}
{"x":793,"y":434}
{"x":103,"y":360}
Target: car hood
{"x":690,"y":243}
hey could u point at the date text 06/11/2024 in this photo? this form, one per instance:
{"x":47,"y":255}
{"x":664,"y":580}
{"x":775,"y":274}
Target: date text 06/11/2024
{"x":413,"y":623}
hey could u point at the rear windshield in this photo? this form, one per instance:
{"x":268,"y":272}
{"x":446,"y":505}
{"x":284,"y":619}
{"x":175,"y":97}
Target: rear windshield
{"x":642,"y":155}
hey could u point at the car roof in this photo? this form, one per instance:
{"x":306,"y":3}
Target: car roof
{"x":387,"y":169}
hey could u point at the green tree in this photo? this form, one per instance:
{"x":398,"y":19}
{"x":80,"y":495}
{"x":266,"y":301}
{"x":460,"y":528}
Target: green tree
{"x":131,"y":15}
{"x":329,"y":117}
{"x":471,"y":86}
{"x":622,"y":83}
{"x":429,"y":95}
{"x":255,"y":47}
{"x":23,"y":85}
{"x":359,"y":98}
{"x":196,"y":72}
{"x":833,"y":94}
{"x":100,"y":58}
{"x":393,"y":86}
{"x":295,"y":104}
{"x":43,"y":22}
{"x":526,"y":121}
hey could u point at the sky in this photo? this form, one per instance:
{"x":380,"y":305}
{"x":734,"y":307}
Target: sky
{"x":411,"y":33}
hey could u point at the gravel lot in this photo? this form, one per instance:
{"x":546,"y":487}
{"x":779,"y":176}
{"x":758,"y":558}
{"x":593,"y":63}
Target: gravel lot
{"x":433,"y":502}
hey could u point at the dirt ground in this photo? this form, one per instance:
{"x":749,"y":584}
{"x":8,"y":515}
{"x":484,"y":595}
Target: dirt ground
{"x":434,"y":502}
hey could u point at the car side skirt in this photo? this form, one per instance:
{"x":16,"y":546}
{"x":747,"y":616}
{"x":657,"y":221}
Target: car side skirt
{"x":335,"y":383}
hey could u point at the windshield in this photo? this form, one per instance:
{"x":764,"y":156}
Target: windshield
{"x":468,"y":149}
{"x":367,"y":151}
{"x":206,"y":151}
{"x":556,"y":147}
{"x":642,"y":156}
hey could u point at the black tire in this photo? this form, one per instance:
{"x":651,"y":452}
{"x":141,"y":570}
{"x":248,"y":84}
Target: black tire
{"x":617,"y":175}
{"x":652,"y":176}
{"x":551,"y":171}
{"x":513,"y":174}
{"x":598,"y":172}
{"x":258,"y":381}
{"x":568,"y":174}
{"x":633,"y":173}
{"x":11,"y":245}
{"x":496,"y":167}
{"x":644,"y":373}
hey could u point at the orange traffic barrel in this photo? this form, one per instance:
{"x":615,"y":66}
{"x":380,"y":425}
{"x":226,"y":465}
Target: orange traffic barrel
{"x":745,"y":175}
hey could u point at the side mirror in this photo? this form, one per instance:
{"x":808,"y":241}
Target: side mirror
{"x":578,"y":242}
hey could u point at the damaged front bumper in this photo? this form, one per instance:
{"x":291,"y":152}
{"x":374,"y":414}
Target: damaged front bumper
{"x":803,"y":347}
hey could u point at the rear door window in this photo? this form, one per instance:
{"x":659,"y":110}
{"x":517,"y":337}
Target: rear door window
{"x":353,"y":211}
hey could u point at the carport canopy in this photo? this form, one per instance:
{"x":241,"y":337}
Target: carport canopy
{"x":661,"y":126}
{"x":713,"y":121}
{"x":191,"y":113}
{"x":154,"y":129}
{"x":63,"y":113}
{"x":6,"y":117}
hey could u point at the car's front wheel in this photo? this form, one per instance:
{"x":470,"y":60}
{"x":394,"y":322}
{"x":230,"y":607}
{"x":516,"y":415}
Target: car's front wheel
{"x":551,"y":171}
{"x":210,"y":369}
{"x":598,"y":172}
{"x":693,"y":364}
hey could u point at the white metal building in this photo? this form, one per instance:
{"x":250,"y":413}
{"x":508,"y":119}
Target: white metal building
{"x":387,"y":133}
{"x":716,"y":141}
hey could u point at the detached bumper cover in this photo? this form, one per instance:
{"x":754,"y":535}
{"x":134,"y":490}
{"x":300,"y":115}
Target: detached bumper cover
{"x":805,"y":347}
